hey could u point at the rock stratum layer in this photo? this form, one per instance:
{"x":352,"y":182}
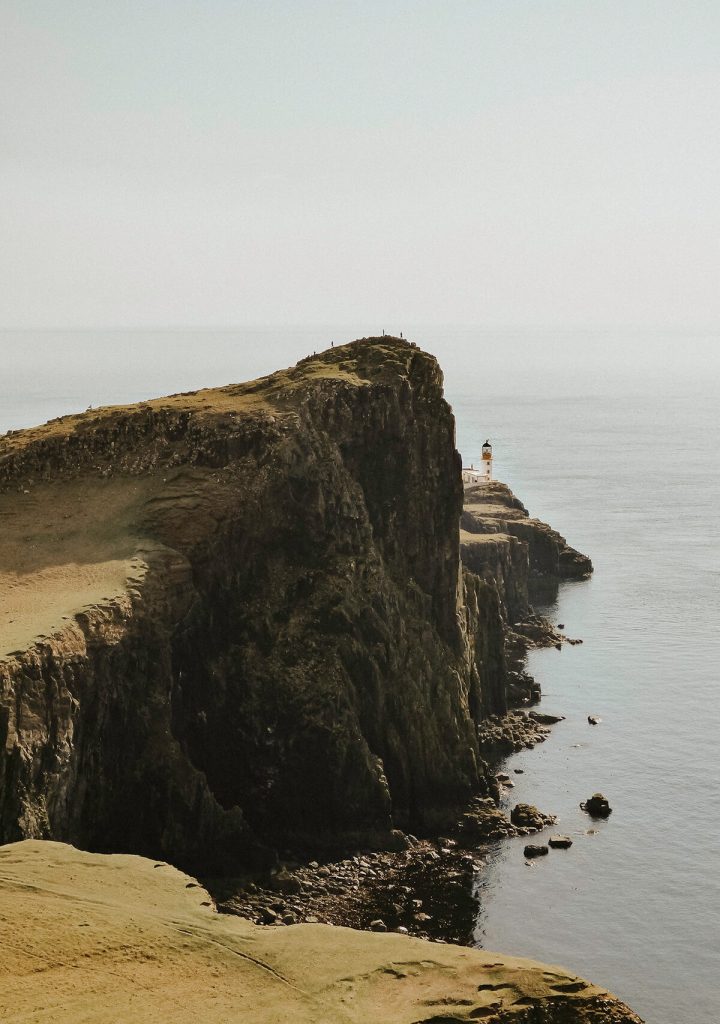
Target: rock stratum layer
{"x":118,"y":938}
{"x":524,"y":557}
{"x":236,"y":620}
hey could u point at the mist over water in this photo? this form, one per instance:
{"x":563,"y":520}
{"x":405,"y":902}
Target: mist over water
{"x":613,"y":439}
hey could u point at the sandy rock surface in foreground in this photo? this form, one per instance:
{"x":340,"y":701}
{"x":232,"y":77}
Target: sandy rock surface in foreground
{"x":113,"y":939}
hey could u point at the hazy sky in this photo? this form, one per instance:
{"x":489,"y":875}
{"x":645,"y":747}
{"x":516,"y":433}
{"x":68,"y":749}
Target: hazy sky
{"x":550,"y":162}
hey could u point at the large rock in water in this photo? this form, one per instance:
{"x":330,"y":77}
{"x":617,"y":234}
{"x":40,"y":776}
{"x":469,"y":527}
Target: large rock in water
{"x":237,"y":618}
{"x":118,"y":938}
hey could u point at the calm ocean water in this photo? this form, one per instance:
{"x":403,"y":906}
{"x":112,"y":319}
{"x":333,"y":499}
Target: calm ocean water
{"x":613,"y":439}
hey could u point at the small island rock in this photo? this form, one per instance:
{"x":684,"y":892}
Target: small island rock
{"x":597,"y":805}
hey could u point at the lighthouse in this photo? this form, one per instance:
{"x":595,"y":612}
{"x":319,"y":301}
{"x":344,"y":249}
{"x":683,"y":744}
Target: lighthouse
{"x":486,"y":462}
{"x":483,"y":475}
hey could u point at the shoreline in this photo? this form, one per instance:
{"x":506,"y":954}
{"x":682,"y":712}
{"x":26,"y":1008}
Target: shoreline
{"x":429,"y":888}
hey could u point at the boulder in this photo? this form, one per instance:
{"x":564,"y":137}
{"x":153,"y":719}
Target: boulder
{"x":527,"y":816}
{"x":398,"y":841}
{"x":283,"y":881}
{"x":544,"y":718}
{"x":531,"y":851}
{"x":560,"y":842}
{"x":597,"y":805}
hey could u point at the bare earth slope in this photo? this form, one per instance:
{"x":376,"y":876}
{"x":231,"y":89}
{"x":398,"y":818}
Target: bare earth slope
{"x":122,"y":940}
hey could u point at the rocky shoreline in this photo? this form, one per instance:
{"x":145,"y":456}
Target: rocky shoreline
{"x":429,"y":887}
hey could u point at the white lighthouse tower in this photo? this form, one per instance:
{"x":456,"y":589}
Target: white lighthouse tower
{"x":486,"y":462}
{"x":483,"y":475}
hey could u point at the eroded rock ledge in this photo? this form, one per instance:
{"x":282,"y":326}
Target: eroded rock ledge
{"x":235,"y":621}
{"x":108,"y":938}
{"x":525,"y":557}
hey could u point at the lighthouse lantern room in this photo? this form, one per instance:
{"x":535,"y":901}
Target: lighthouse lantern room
{"x":483,"y":474}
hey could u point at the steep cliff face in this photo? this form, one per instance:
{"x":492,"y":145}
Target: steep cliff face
{"x":237,"y":617}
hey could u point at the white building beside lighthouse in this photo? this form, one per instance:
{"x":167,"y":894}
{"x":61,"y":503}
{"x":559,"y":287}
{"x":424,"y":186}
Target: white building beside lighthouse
{"x":483,"y":474}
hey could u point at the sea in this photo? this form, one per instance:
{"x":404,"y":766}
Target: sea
{"x":613,"y":437}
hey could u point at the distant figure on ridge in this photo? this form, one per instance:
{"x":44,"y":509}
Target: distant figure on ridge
{"x":484,"y":474}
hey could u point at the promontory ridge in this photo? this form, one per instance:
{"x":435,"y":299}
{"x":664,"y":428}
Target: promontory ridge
{"x":236,"y":624}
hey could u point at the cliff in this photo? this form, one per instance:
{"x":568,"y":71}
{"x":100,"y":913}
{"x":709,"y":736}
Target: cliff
{"x":236,"y":619}
{"x":109,"y":938}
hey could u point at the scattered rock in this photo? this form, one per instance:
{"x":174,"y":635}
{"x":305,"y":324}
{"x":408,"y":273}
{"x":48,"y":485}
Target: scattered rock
{"x":527,"y":816}
{"x":560,"y":842}
{"x":506,"y":734}
{"x":444,"y":841}
{"x":398,"y":841}
{"x":597,"y":806}
{"x":543,"y":718}
{"x":484,"y":821}
{"x":593,"y":720}
{"x":378,"y":925}
{"x":283,"y":881}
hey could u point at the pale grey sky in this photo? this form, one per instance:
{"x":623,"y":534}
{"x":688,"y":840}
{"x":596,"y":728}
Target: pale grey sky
{"x":545,"y":162}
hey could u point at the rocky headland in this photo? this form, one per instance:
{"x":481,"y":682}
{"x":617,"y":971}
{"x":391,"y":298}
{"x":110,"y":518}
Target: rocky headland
{"x":262,"y":633}
{"x":235,"y":622}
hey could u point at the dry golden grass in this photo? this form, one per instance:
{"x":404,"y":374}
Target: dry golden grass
{"x":63,"y":547}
